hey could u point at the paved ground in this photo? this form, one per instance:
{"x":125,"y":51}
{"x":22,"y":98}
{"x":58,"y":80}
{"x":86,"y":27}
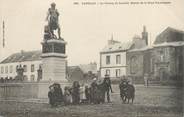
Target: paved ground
{"x":154,"y":101}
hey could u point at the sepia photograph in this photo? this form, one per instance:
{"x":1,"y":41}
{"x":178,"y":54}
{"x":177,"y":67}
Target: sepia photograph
{"x":91,"y":58}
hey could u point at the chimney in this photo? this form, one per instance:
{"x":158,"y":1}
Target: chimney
{"x":22,"y":51}
{"x":3,"y":34}
{"x":112,"y":41}
{"x":145,"y":35}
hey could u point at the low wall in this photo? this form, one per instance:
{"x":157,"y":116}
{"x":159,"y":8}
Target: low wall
{"x":26,"y":90}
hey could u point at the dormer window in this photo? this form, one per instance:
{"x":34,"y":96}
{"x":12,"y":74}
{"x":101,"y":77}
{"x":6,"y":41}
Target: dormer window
{"x":22,"y":57}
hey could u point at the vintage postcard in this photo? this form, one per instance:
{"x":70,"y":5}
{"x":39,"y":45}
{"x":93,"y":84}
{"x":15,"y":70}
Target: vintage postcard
{"x":91,"y":58}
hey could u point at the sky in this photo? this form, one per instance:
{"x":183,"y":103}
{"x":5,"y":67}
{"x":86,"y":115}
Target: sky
{"x":86,"y":28}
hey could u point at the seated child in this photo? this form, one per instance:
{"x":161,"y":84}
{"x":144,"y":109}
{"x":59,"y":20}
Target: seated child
{"x":67,"y":96}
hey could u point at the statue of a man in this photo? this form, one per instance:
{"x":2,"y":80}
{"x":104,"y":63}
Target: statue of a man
{"x":53,"y":20}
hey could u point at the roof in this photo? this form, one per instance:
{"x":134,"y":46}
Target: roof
{"x":138,"y":43}
{"x":23,"y":56}
{"x":89,"y":67}
{"x":74,"y":73}
{"x":71,"y":69}
{"x":117,"y":47}
{"x":160,"y":38}
{"x":173,"y":44}
{"x":175,"y":30}
{"x":136,"y":37}
{"x":141,"y":49}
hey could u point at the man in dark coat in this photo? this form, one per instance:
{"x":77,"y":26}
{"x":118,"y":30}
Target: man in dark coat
{"x":51,"y":96}
{"x":107,"y":87}
{"x":76,"y":92}
{"x":58,"y":93}
{"x":93,"y":90}
{"x":87,"y":93}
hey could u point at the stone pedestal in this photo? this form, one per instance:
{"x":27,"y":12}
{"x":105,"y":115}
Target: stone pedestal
{"x":54,"y":60}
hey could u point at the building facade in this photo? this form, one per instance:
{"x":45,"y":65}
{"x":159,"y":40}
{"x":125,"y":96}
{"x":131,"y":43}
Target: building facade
{"x":30,"y":61}
{"x":138,"y":63}
{"x":168,"y":55}
{"x":113,"y":58}
{"x":138,"y":58}
{"x":163,"y":61}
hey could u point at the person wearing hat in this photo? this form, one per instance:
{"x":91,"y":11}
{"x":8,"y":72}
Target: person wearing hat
{"x":76,"y":92}
{"x":51,"y":96}
{"x":107,"y":87}
{"x":67,"y":96}
{"x":87,"y":93}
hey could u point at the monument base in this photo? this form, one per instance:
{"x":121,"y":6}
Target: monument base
{"x":54,"y":69}
{"x":54,"y":60}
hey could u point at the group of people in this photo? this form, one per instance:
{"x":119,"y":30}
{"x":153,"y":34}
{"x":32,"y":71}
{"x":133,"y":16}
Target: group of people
{"x":99,"y":90}
{"x":94,"y":93}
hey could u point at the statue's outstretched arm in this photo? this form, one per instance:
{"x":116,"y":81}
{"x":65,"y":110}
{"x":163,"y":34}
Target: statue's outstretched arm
{"x":57,"y":12}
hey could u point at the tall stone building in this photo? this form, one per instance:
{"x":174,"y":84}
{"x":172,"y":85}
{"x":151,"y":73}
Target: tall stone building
{"x":138,"y":57}
{"x":168,"y":54}
{"x":163,"y":61}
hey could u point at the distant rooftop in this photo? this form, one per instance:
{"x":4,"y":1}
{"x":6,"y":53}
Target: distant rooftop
{"x":141,"y":49}
{"x":117,"y":47}
{"x":165,"y":36}
{"x":23,"y":56}
{"x":92,"y":67}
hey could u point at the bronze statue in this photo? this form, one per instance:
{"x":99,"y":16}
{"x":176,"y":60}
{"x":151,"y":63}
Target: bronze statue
{"x":53,"y":21}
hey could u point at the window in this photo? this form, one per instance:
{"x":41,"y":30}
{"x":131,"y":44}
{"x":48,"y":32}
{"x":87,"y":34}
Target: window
{"x":161,"y":56}
{"x":180,"y":66}
{"x":152,"y":65}
{"x":32,"y":68}
{"x":32,"y":78}
{"x":108,"y":60}
{"x":6,"y":69}
{"x":11,"y":69}
{"x":2,"y":69}
{"x":118,"y":59}
{"x":25,"y":68}
{"x":133,"y":65}
{"x":117,"y":72}
{"x":107,"y":72}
